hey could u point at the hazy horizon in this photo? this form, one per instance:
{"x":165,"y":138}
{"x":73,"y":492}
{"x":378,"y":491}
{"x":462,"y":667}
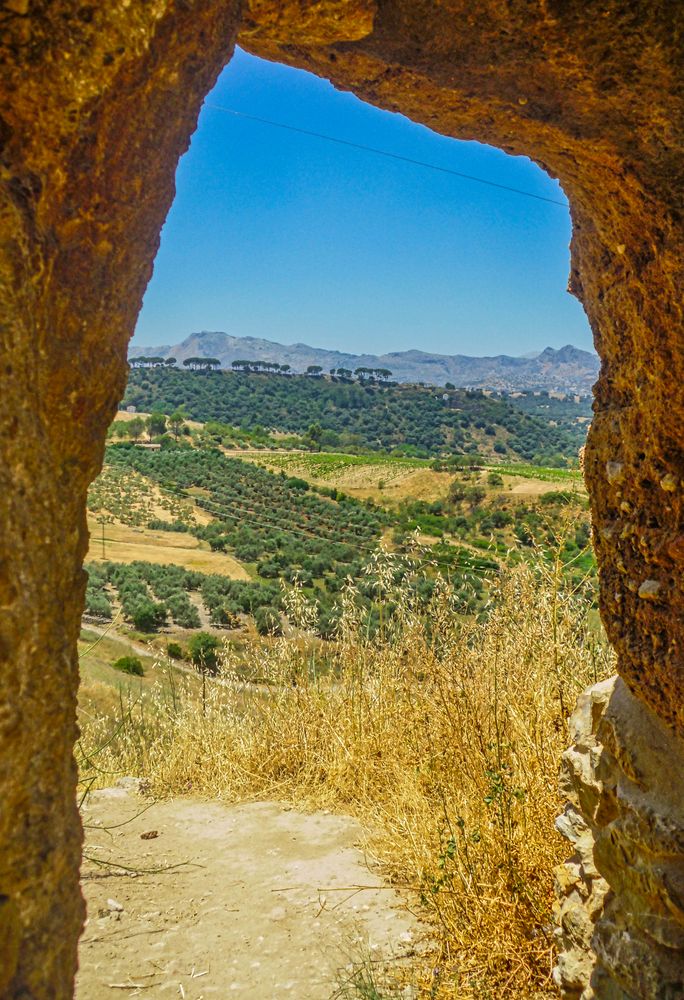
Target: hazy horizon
{"x":302,"y":343}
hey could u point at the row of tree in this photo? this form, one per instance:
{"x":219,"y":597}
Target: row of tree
{"x":194,"y":364}
{"x":154,"y":425}
{"x":261,"y":366}
{"x":152,"y":362}
{"x":363,"y":374}
{"x":202,"y":364}
{"x":314,"y":371}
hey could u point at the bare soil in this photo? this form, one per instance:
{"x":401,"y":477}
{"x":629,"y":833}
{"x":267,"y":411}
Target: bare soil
{"x":253,"y":900}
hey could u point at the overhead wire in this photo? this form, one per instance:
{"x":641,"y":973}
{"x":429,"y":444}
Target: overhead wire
{"x":374,"y":150}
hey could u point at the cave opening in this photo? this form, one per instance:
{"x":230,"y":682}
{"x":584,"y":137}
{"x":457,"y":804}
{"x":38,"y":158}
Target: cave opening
{"x":93,"y":126}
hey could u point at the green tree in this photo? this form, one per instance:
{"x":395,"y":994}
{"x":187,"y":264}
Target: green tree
{"x":148,"y":615}
{"x":135,"y":427}
{"x":204,"y":649}
{"x":155,"y":424}
{"x":176,"y":421}
{"x":314,"y":434}
{"x":267,"y":621}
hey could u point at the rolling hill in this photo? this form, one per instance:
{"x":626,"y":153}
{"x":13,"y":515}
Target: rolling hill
{"x":421,"y":421}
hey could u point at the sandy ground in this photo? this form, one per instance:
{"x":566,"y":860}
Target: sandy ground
{"x":255,"y":901}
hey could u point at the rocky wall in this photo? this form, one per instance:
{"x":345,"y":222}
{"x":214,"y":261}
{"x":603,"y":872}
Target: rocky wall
{"x":97,"y":103}
{"x":620,"y":913}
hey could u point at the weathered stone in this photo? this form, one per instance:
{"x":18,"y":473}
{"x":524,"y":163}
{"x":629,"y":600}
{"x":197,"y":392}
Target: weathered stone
{"x":97,"y":103}
{"x":307,"y":22}
{"x":621,"y":932}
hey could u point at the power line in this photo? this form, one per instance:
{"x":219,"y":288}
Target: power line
{"x":386,"y":153}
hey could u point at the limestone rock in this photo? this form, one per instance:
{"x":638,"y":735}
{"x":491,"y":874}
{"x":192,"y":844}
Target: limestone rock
{"x":620,"y":910}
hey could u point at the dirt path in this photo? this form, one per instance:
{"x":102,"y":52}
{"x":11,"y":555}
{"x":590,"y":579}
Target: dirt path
{"x":110,"y":630}
{"x":254,"y":900}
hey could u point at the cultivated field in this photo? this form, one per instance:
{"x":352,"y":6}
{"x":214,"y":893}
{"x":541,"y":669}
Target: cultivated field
{"x":389,"y":481}
{"x":126,"y":544}
{"x":365,"y":477}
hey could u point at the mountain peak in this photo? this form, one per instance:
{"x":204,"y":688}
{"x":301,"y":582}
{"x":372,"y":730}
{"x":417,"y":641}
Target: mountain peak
{"x":567,"y":369}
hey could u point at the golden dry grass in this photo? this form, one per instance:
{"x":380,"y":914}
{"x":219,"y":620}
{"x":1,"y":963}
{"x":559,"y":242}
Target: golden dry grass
{"x":442,"y":736}
{"x":392,"y":481}
{"x":386,"y":482}
{"x":125,"y":415}
{"x":126,"y":544}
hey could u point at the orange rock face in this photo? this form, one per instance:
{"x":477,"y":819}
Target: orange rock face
{"x":98,"y":103}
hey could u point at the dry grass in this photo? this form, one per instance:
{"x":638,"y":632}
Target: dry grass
{"x":126,"y":544}
{"x":444,"y":737}
{"x":387,"y":481}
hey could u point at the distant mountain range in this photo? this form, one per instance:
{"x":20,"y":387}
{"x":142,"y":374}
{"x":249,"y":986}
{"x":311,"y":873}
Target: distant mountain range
{"x":568,"y":369}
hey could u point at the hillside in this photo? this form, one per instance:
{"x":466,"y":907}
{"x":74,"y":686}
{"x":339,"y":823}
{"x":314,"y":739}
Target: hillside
{"x":416,"y":420}
{"x":264,"y":525}
{"x":567,"y":370}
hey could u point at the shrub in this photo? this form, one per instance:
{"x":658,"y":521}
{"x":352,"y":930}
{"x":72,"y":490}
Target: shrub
{"x":174,"y":650}
{"x":267,"y":621}
{"x":203,"y":649}
{"x":129,"y":665}
{"x":148,"y":616}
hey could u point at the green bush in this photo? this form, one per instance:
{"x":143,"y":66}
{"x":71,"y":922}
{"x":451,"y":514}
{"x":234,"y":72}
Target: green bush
{"x":174,"y":650}
{"x":203,"y":649}
{"x":147,"y":615}
{"x":129,"y":665}
{"x":267,"y":621}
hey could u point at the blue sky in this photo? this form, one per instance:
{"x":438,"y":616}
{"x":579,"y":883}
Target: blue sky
{"x":278,"y":235}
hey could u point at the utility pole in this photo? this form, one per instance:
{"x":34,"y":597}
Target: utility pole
{"x":101,"y":519}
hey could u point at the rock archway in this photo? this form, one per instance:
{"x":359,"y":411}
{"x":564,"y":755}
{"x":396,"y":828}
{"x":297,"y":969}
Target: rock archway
{"x":98,"y":103}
